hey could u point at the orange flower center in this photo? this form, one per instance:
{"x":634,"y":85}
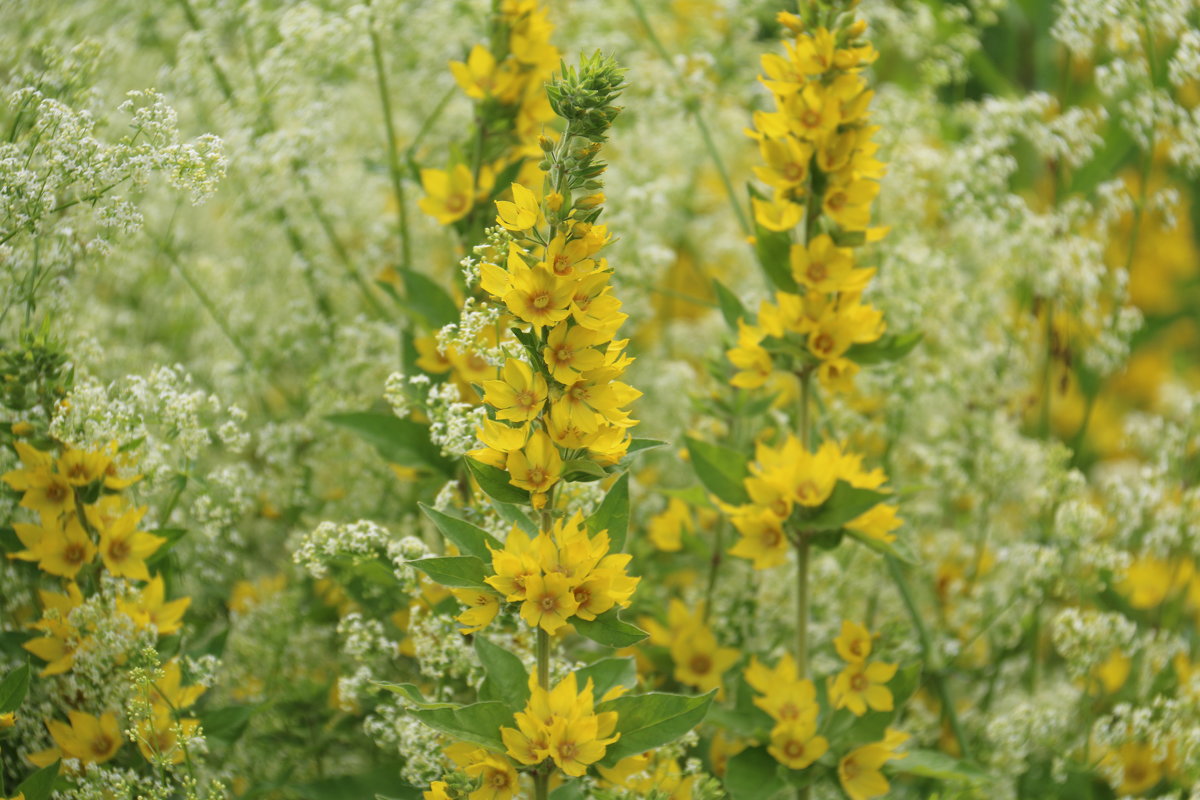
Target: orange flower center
{"x":701,"y":664}
{"x":456,"y":203}
{"x":816,"y":271}
{"x":118,"y":549}
{"x":793,"y":749}
{"x":74,"y":553}
{"x":859,"y":682}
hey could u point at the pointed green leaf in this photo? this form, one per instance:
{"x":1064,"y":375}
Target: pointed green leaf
{"x":399,"y":441}
{"x":459,"y":572}
{"x":898,"y":549}
{"x":846,"y":503}
{"x":494,"y":483}
{"x":648,"y":721}
{"x":39,"y":785}
{"x":731,"y":307}
{"x":513,"y":514}
{"x":613,"y":514}
{"x":932,"y":764}
{"x":753,"y":774}
{"x":469,"y":539}
{"x":582,"y":470}
{"x":13,"y":689}
{"x":637,"y":445}
{"x":609,"y":629}
{"x":412,"y":694}
{"x":720,"y":469}
{"x":607,"y":673}
{"x":478,"y":723}
{"x":427,"y":298}
{"x":507,"y":680}
{"x":887,"y":348}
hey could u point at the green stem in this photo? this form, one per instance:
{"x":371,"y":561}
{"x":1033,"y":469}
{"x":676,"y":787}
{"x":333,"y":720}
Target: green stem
{"x":692,"y":106}
{"x":393,"y":153}
{"x":541,"y":778}
{"x":932,"y":663}
{"x":714,"y":566}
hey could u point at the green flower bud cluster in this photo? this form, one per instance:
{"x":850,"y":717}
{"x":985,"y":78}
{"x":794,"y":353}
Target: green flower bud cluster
{"x":585,"y":98}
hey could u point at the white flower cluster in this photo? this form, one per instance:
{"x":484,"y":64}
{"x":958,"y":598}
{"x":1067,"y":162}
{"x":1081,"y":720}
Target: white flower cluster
{"x":354,"y":542}
{"x":1086,"y":637}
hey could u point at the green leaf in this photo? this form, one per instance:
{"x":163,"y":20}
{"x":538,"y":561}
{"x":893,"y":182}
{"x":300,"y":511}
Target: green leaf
{"x":358,"y":786}
{"x":844,"y":504}
{"x":39,"y":785}
{"x":226,"y":724}
{"x":774,"y":251}
{"x":607,"y":673}
{"x":478,"y":723}
{"x":637,"y":445}
{"x":13,"y":689}
{"x":428,"y":299}
{"x":892,"y":347}
{"x":399,"y":441}
{"x":494,"y":483}
{"x":172,"y":536}
{"x":470,"y":539}
{"x":932,"y":764}
{"x":516,"y":516}
{"x":412,"y":694}
{"x":648,"y":721}
{"x":753,"y":774}
{"x":898,"y":549}
{"x":506,"y":680}
{"x":731,"y":307}
{"x":720,"y":469}
{"x":613,"y":514}
{"x":572,"y":790}
{"x":459,"y":572}
{"x":582,"y":470}
{"x":609,"y":629}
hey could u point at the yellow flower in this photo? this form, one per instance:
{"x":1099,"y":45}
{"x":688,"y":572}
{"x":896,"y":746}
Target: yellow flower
{"x":8,"y":719}
{"x":762,"y":538}
{"x":170,"y":691}
{"x":752,"y":360}
{"x":571,"y":350}
{"x":569,"y":258}
{"x":777,"y":215}
{"x":824,"y":267}
{"x":877,"y":523}
{"x":575,"y":744}
{"x":449,"y":196}
{"x":522,"y":213}
{"x":513,"y":565}
{"x":796,"y":745}
{"x":859,"y":772}
{"x":482,"y":608}
{"x":812,"y":113}
{"x":1146,"y":582}
{"x":848,"y":203}
{"x":92,"y":740}
{"x":150,"y":608}
{"x":159,"y":736}
{"x":562,"y":725}
{"x":437,"y":791}
{"x":537,"y":467}
{"x":123,"y":548}
{"x":667,"y":527}
{"x":58,"y":646}
{"x":787,"y":162}
{"x":519,"y":395}
{"x":853,"y":644}
{"x":1140,"y":768}
{"x":699,"y":660}
{"x":837,"y":374}
{"x":535,"y":294}
{"x":59,"y":549}
{"x":549,"y":601}
{"x":861,"y":685}
{"x":481,"y":77}
{"x":499,"y":781}
{"x":81,"y":467}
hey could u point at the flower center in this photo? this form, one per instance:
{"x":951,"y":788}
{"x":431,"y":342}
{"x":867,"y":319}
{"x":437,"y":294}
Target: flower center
{"x":837,"y":200}
{"x":566,"y":751}
{"x":119,"y":549}
{"x":810,"y":118}
{"x":526,"y":399}
{"x":73,"y":553}
{"x":823,"y":343}
{"x":701,"y":664}
{"x":101,"y":745}
{"x":548,"y":603}
{"x":541,"y":300}
{"x":793,"y":749}
{"x":56,"y":492}
{"x":859,"y":682}
{"x":816,"y":271}
{"x":456,"y":203}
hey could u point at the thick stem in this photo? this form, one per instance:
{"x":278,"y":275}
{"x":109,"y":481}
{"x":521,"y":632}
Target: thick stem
{"x":541,"y":778}
{"x":802,"y":552}
{"x":392,"y":151}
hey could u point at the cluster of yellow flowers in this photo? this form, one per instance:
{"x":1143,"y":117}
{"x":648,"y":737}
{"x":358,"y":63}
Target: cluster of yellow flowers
{"x":820,"y":166}
{"x":792,"y":703}
{"x":568,"y":403}
{"x":82,"y":514}
{"x":789,"y":477}
{"x":558,"y":574}
{"x":699,"y":659}
{"x":562,"y":724}
{"x":861,"y":683}
{"x":508,"y":82}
